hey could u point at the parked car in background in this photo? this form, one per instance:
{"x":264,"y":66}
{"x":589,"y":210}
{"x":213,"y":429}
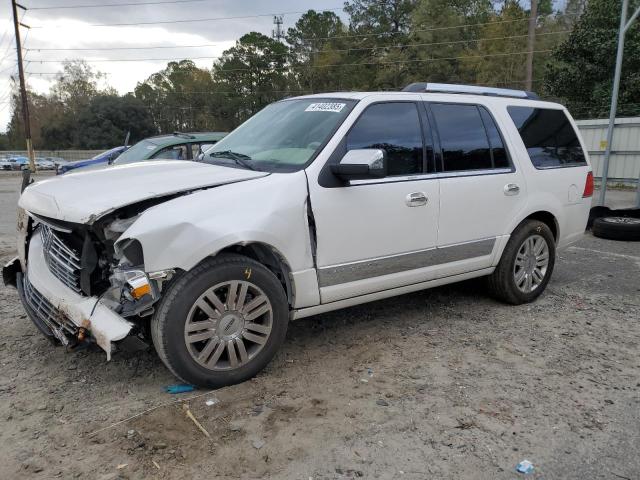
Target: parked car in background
{"x":18,"y":163}
{"x":5,"y":164}
{"x":44,"y":164}
{"x":177,"y":146}
{"x":101,"y":159}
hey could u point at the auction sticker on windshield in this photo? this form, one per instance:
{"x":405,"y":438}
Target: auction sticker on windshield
{"x":325,"y":107}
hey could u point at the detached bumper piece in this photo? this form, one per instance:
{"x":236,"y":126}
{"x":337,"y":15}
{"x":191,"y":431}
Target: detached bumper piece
{"x":55,"y":320}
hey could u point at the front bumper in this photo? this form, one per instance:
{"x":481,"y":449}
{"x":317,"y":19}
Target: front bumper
{"x":89,"y":313}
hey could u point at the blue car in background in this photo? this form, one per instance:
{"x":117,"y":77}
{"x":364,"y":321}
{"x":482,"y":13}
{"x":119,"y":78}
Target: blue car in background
{"x":104,"y":157}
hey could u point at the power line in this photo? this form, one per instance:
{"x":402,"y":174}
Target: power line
{"x":206,"y":45}
{"x":339,"y":65}
{"x":60,"y":7}
{"x":194,"y":20}
{"x":297,"y":12}
{"x":347,"y":50}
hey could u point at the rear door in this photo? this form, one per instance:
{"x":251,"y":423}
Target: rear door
{"x":481,"y":190}
{"x":558,"y":166}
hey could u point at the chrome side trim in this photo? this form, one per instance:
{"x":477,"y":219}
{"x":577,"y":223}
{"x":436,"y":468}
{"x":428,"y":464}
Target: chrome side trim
{"x":429,"y":176}
{"x":349,"y":302}
{"x":375,"y":267}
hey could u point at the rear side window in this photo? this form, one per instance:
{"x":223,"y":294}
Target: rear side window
{"x":550,"y":139}
{"x":469,"y":138}
{"x":395,"y":128}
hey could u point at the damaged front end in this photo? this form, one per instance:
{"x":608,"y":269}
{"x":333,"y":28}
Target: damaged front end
{"x":78,"y":284}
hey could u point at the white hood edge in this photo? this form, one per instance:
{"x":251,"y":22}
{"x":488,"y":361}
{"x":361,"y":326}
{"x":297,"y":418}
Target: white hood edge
{"x":83,"y":197}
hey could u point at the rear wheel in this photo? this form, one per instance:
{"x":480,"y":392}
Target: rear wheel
{"x":222,"y":322}
{"x":526,"y":264}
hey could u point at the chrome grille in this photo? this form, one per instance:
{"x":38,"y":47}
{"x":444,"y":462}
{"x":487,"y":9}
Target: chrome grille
{"x":57,"y":321}
{"x":63,"y":261}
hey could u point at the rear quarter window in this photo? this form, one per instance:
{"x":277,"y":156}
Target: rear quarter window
{"x":547,"y":134}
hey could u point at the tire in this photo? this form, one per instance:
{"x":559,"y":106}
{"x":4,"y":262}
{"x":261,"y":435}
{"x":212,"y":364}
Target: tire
{"x":617,"y":228}
{"x":504,"y":283}
{"x":204,"y":295}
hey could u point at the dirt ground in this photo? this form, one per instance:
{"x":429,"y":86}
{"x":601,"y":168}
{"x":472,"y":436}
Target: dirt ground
{"x":444,"y":383}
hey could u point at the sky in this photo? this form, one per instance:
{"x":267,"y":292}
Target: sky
{"x":75,"y":27}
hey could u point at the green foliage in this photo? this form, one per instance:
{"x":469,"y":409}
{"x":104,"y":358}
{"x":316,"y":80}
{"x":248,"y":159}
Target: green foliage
{"x":580,"y":71}
{"x":383,"y":46}
{"x":252,"y":74}
{"x":182,"y":97}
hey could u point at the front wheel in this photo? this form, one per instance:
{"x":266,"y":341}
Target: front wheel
{"x":526,"y":264}
{"x":222,"y":322}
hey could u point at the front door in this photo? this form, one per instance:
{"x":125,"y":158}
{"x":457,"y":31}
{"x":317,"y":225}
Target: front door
{"x":375,"y":234}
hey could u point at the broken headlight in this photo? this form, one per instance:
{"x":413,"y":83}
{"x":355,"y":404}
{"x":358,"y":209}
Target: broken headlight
{"x":132,"y":291}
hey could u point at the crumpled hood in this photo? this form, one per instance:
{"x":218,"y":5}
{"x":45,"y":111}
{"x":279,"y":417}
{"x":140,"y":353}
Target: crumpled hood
{"x":83,"y":197}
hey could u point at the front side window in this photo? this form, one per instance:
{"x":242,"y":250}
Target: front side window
{"x":285,"y":136}
{"x":395,"y":128}
{"x":175,"y":152}
{"x":548,"y":136}
{"x":463,"y":139}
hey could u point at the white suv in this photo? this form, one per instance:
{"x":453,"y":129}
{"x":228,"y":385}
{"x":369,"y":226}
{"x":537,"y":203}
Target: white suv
{"x":314,"y":204}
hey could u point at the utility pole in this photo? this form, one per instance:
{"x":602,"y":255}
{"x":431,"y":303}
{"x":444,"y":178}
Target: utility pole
{"x":624,"y":26}
{"x":23,"y":92}
{"x":531,"y":43}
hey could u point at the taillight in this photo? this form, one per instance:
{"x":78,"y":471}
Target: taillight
{"x":588,"y":186}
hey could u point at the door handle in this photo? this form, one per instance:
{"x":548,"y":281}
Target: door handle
{"x":416,"y":199}
{"x":511,"y":189}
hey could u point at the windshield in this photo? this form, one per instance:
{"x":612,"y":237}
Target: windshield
{"x":108,"y":152}
{"x":285,"y":136}
{"x":139,"y":151}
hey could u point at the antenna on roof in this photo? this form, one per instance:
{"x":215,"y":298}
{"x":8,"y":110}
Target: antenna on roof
{"x":469,"y":89}
{"x":278,"y":32}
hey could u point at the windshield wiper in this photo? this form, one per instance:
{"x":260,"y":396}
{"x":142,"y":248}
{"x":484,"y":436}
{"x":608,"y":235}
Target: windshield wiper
{"x":240,"y":158}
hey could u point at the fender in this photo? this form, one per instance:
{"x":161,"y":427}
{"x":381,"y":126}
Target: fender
{"x":180,"y":233}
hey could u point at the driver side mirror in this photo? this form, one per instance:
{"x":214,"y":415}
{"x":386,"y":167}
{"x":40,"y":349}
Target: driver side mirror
{"x":362,"y":164}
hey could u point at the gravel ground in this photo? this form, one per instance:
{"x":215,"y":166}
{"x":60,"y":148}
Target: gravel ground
{"x":444,"y":383}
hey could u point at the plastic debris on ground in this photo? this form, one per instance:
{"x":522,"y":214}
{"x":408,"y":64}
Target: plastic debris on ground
{"x":180,"y":388}
{"x":525,"y":467}
{"x":211,"y":401}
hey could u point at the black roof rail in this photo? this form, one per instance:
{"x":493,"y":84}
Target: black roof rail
{"x":470,"y":90}
{"x":184,"y":135}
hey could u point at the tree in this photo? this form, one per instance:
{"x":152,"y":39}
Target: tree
{"x":253,"y":74}
{"x":108,"y":118}
{"x":181,"y":97}
{"x":314,"y":41}
{"x":580,"y":71}
{"x":444,"y":32}
{"x":500,"y":56}
{"x":44,"y":110}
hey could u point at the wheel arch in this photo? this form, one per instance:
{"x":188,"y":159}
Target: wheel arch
{"x":548,"y":219}
{"x":271,"y":258}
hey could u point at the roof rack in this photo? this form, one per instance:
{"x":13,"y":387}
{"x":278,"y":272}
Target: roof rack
{"x":469,"y":89}
{"x":184,"y":135}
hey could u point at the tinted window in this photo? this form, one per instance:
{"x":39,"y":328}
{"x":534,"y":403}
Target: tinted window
{"x":498,"y":152}
{"x":395,"y":128}
{"x":176,"y":152}
{"x":463,"y":139}
{"x":548,"y":136}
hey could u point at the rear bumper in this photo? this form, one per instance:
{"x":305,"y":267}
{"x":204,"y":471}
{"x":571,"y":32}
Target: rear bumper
{"x":61,"y":308}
